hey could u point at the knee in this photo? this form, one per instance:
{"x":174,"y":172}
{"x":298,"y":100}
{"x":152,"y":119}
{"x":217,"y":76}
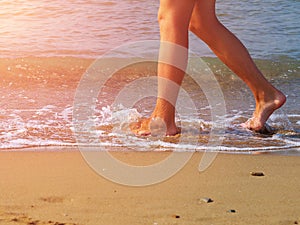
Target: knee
{"x":200,"y":25}
{"x":199,"y":29}
{"x":204,"y":28}
{"x":162,"y":19}
{"x":164,"y":22}
{"x":203,"y":19}
{"x":169,"y":20}
{"x":161,"y":14}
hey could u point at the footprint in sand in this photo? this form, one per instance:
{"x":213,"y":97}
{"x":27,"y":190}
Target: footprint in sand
{"x":22,"y":219}
{"x":52,"y":199}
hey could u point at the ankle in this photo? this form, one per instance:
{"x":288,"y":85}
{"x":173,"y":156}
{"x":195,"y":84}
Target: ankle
{"x":271,"y":95}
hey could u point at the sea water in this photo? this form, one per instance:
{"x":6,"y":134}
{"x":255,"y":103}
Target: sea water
{"x":88,"y":29}
{"x":270,"y":29}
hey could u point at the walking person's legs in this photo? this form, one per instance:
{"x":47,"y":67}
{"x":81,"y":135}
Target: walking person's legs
{"x":176,"y":17}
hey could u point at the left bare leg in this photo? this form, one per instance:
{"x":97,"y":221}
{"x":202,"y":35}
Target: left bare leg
{"x":174,"y":18}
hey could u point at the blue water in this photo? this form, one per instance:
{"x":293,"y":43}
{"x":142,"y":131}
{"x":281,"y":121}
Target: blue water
{"x":270,"y":29}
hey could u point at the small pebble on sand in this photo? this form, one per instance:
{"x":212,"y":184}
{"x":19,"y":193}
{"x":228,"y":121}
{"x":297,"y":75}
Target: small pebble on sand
{"x":206,"y":200}
{"x":231,"y":211}
{"x":257,"y":174}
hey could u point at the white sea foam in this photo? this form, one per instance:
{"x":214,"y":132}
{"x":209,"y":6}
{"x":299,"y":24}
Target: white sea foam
{"x":48,"y":125}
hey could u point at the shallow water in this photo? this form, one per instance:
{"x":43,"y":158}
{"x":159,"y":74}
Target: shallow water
{"x":29,"y":118}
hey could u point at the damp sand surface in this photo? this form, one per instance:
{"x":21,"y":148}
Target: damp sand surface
{"x":58,"y":187}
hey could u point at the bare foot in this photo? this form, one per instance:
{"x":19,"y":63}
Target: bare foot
{"x":154,"y":126}
{"x":141,"y":128}
{"x":263,"y":111}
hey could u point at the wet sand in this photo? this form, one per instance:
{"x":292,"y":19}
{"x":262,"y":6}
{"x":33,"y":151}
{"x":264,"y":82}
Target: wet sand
{"x":58,"y":187}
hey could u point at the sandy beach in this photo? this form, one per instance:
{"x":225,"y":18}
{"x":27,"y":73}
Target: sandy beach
{"x":58,"y":187}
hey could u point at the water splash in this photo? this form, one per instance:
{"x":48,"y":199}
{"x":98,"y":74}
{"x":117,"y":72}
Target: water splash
{"x":52,"y":126}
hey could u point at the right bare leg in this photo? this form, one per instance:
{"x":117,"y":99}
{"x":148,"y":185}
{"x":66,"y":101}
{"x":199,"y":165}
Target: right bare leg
{"x":233,"y":53}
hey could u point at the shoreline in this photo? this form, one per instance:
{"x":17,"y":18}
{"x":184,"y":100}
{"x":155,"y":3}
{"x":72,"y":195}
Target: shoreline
{"x":285,"y":151}
{"x":279,"y":59}
{"x":59,"y":187}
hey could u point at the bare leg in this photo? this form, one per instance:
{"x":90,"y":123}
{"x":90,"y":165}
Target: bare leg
{"x":232,"y":52}
{"x":174,"y":17}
